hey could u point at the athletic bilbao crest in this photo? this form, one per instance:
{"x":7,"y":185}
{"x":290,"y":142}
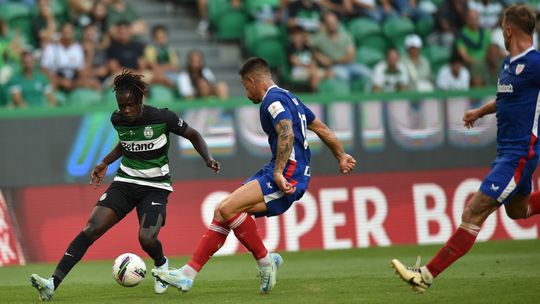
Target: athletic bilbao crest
{"x":519,"y":68}
{"x":148,"y":132}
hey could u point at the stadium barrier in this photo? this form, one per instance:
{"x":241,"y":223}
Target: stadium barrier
{"x":417,"y":166}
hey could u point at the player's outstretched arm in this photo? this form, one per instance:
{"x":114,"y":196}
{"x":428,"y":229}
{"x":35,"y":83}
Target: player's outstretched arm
{"x":346,"y":161}
{"x":284,"y":148}
{"x":470,"y":117}
{"x":202,"y":148}
{"x":97,"y":174}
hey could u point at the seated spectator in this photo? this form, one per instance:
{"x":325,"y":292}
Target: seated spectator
{"x":472,"y":44}
{"x":30,"y":87}
{"x":304,"y":13}
{"x":488,"y":11}
{"x":198,"y":80}
{"x":95,"y":54}
{"x":450,"y":17}
{"x":334,"y":50}
{"x":98,"y":17}
{"x":121,"y":10}
{"x":371,"y":9}
{"x":303,"y":65}
{"x":342,"y":8}
{"x":418,"y":67}
{"x":62,"y":61}
{"x":390,"y":75}
{"x":453,"y":76}
{"x":410,"y":9}
{"x":161,"y":58}
{"x":125,"y":53}
{"x":11,"y":47}
{"x":43,"y":25}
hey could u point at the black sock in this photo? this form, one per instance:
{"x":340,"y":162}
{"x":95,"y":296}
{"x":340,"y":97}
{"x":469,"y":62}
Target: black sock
{"x":155,"y":251}
{"x":72,"y":256}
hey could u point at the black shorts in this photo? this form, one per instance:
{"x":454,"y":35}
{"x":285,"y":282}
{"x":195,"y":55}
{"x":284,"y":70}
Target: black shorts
{"x":123,"y":197}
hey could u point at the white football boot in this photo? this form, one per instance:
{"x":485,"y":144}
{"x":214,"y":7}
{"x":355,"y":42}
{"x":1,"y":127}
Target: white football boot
{"x":45,"y":287}
{"x":268,"y":274}
{"x":174,"y":277}
{"x":417,"y":277}
{"x":159,"y":286}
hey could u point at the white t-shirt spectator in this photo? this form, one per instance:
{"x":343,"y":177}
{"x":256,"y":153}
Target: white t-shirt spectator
{"x":488,"y":14}
{"x":62,"y":60}
{"x":388,"y":81}
{"x":186,"y":88}
{"x":447,"y":81}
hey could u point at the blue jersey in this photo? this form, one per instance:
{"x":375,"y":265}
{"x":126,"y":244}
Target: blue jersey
{"x":280,"y":104}
{"x":518,"y":106}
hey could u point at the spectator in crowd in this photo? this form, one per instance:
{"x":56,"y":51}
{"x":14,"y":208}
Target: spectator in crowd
{"x":43,"y":25}
{"x":126,"y":53}
{"x":342,"y":8}
{"x":453,"y":76}
{"x":30,"y":87}
{"x":121,"y":11}
{"x":98,"y":17}
{"x":304,"y":13}
{"x":95,"y":55}
{"x":161,"y":58}
{"x":334,"y":50}
{"x":63,"y":61}
{"x":303,"y":65}
{"x":11,"y":46}
{"x":371,"y":9}
{"x":198,"y":80}
{"x":449,"y":19}
{"x":488,"y":12}
{"x":390,"y":75}
{"x":410,"y":9}
{"x":472,"y":44}
{"x":79,"y":12}
{"x":418,"y":67}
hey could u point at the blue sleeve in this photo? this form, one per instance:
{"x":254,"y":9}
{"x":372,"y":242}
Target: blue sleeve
{"x":310,"y":116}
{"x":276,"y":109}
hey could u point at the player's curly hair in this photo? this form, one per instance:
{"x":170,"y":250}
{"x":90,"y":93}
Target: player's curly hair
{"x":130,"y":83}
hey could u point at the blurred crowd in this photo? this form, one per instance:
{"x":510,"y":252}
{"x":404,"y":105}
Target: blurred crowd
{"x":383,"y":45}
{"x":57,"y":52}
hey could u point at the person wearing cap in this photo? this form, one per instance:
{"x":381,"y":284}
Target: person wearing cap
{"x":418,"y":67}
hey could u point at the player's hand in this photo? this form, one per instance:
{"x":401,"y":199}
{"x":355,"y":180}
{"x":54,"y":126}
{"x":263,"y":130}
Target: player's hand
{"x":284,"y":185}
{"x":346,"y":163}
{"x":97,"y":174}
{"x":470,"y":117}
{"x":214,"y":165}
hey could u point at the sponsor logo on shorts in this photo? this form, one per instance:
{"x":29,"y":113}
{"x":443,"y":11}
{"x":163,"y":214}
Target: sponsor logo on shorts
{"x":494,"y":188}
{"x":269,"y":185}
{"x":156,"y":204}
{"x":104,"y":196}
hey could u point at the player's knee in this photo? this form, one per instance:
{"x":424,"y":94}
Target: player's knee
{"x":94,"y":230}
{"x":225,"y":209}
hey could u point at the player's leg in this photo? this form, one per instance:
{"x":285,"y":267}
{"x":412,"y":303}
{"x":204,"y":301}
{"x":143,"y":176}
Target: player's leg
{"x":151,"y":211}
{"x":524,"y":204}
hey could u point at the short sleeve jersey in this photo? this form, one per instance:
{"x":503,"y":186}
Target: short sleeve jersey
{"x":279,"y":104}
{"x":517,"y":104}
{"x":145,"y":144}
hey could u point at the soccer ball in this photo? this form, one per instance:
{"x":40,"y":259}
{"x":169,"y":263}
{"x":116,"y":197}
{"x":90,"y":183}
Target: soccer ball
{"x":128,"y":270}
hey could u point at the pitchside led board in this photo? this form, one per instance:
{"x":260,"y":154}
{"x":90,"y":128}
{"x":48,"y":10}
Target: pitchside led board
{"x":417,"y":167}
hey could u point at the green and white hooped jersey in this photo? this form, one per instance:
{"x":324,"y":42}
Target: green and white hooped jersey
{"x":145,"y":143}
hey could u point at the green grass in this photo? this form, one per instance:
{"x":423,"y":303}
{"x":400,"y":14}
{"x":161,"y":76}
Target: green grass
{"x":494,"y":272}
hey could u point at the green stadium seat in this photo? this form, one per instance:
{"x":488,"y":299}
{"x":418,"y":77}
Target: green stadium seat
{"x":12,"y":10}
{"x":84,"y":97}
{"x":230,"y":25}
{"x":361,"y":28}
{"x":437,"y":56}
{"x":161,"y":94}
{"x":395,"y":29}
{"x":253,"y":6}
{"x":216,"y":9}
{"x":368,"y":56}
{"x":273,"y":51}
{"x":258,"y":31}
{"x":376,"y":42}
{"x":424,"y":26}
{"x":333,"y":86}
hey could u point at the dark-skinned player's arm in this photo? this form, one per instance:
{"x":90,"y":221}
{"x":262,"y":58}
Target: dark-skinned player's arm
{"x":346,"y":161}
{"x":285,"y":142}
{"x":97,"y":174}
{"x":470,"y":117}
{"x":202,"y":148}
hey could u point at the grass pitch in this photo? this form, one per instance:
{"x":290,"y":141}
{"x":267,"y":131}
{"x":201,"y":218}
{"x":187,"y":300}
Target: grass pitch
{"x":494,"y":272}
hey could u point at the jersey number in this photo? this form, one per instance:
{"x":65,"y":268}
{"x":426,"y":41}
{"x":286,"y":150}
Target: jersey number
{"x":303,"y":122}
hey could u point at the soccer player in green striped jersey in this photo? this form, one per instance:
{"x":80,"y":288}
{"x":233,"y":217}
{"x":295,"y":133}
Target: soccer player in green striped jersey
{"x":142,"y":181}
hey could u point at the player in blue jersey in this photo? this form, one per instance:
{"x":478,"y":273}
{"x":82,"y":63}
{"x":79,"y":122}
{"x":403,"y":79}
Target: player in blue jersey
{"x":273,"y":189}
{"x":508,"y":183}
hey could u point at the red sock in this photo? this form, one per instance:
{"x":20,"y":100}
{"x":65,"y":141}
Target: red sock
{"x":458,"y":244}
{"x":210,"y":242}
{"x":534,"y":204}
{"x":245,"y":229}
